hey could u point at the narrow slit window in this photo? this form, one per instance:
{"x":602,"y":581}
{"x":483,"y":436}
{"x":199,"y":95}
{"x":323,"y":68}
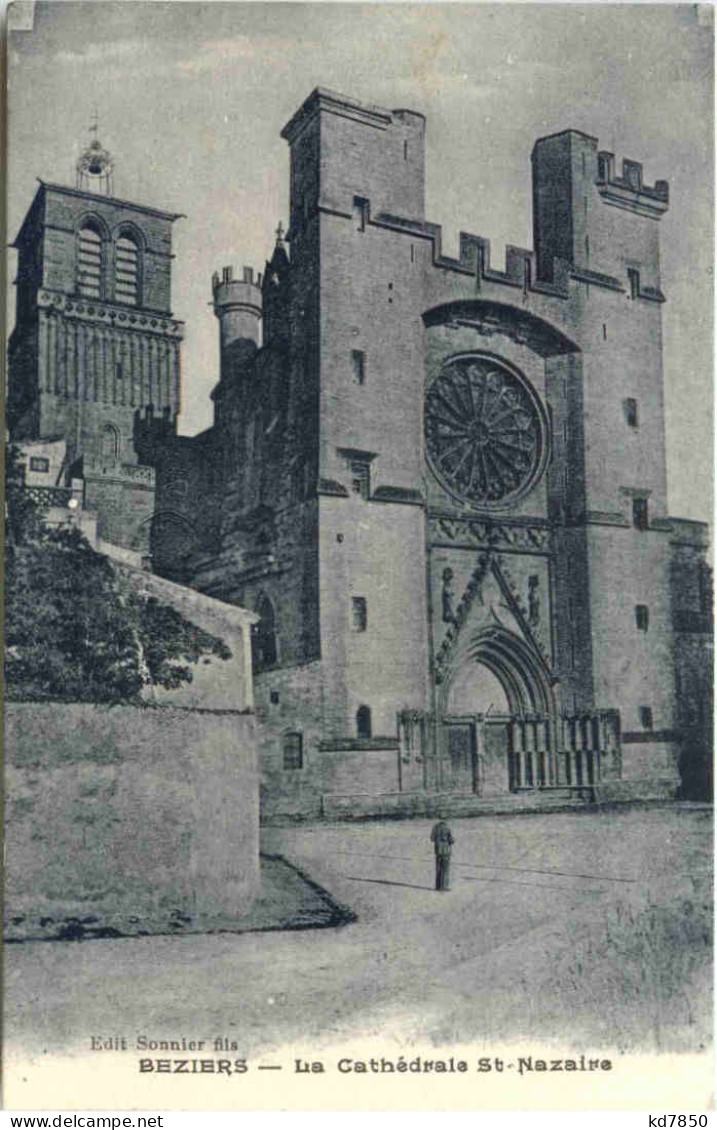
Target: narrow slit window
{"x":631,"y":412}
{"x":633,"y":277}
{"x":359,"y":614}
{"x":293,"y":751}
{"x":646,"y":717}
{"x":640,"y":515}
{"x":360,"y":210}
{"x":360,"y":478}
{"x":358,"y":366}
{"x":264,"y":647}
{"x":363,"y":722}
{"x":642,"y":617}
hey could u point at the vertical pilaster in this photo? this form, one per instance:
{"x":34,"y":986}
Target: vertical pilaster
{"x":71,"y":365}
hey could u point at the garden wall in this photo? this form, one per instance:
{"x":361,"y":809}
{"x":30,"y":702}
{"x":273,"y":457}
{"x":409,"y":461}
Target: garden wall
{"x":128,"y":818}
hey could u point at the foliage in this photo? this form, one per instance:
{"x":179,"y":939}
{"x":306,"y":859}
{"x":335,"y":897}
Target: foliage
{"x":74,"y":627}
{"x":642,"y":964}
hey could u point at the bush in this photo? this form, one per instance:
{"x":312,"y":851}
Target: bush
{"x":74,"y":628}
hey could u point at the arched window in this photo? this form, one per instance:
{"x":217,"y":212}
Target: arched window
{"x":363,"y":721}
{"x":264,"y":652}
{"x":127,"y":280}
{"x":89,"y":263}
{"x":110,"y":442}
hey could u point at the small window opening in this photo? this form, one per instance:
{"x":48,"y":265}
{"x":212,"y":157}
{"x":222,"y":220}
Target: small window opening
{"x":360,"y":478}
{"x":633,"y":277}
{"x":604,"y":331}
{"x":264,"y":650}
{"x":640,"y":517}
{"x":646,"y":717}
{"x":413,"y":253}
{"x":110,"y":442}
{"x":37,"y":463}
{"x":405,"y":150}
{"x":274,"y":698}
{"x":363,"y":722}
{"x":293,"y":750}
{"x":360,"y":210}
{"x":358,"y":366}
{"x":359,"y":613}
{"x":118,"y":371}
{"x":631,"y":411}
{"x":642,"y":617}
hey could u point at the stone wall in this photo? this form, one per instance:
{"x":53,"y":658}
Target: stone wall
{"x":131,"y":818}
{"x":126,"y":817}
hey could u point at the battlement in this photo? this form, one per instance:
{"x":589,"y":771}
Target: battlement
{"x":237,"y":305}
{"x":628,"y":190}
{"x":366,"y":163}
{"x":227,"y":276}
{"x":573,"y":180}
{"x":521,"y":263}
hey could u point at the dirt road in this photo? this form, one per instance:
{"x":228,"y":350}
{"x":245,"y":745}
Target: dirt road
{"x":491,"y":959}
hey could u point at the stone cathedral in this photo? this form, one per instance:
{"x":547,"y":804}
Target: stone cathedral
{"x":440,"y":484}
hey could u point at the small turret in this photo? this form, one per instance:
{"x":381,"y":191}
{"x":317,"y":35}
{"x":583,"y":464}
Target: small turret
{"x":238,"y":306}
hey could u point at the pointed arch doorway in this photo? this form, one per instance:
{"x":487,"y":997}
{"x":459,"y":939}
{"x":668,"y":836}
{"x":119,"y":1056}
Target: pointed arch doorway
{"x":493,"y":678}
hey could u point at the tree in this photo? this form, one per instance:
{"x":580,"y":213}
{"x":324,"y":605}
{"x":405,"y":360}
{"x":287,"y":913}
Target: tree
{"x":74,"y":626}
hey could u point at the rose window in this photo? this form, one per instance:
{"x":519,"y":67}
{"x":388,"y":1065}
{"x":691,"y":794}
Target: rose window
{"x":485,"y":432}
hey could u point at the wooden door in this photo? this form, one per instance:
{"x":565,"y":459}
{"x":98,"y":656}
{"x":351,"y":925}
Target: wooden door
{"x":460,"y":756}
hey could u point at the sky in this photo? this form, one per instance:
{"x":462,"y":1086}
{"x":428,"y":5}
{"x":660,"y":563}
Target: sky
{"x":191,"y":99}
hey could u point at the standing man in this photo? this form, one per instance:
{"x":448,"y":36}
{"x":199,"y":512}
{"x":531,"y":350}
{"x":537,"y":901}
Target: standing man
{"x":442,"y":838}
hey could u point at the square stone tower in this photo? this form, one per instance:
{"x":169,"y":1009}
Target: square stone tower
{"x":95,"y":339}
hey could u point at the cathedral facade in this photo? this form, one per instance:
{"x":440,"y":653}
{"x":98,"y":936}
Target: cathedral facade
{"x":441,"y":485}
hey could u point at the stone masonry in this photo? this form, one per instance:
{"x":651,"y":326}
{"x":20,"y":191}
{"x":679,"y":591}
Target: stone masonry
{"x":440,"y":485}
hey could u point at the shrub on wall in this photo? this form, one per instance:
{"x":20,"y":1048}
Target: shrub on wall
{"x":74,"y":628}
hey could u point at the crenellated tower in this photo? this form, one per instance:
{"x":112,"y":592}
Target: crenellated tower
{"x":441,"y":484}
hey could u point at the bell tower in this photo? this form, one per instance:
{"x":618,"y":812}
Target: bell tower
{"x":95,"y":338}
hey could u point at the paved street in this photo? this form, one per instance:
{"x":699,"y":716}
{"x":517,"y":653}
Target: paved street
{"x":479,"y":963}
